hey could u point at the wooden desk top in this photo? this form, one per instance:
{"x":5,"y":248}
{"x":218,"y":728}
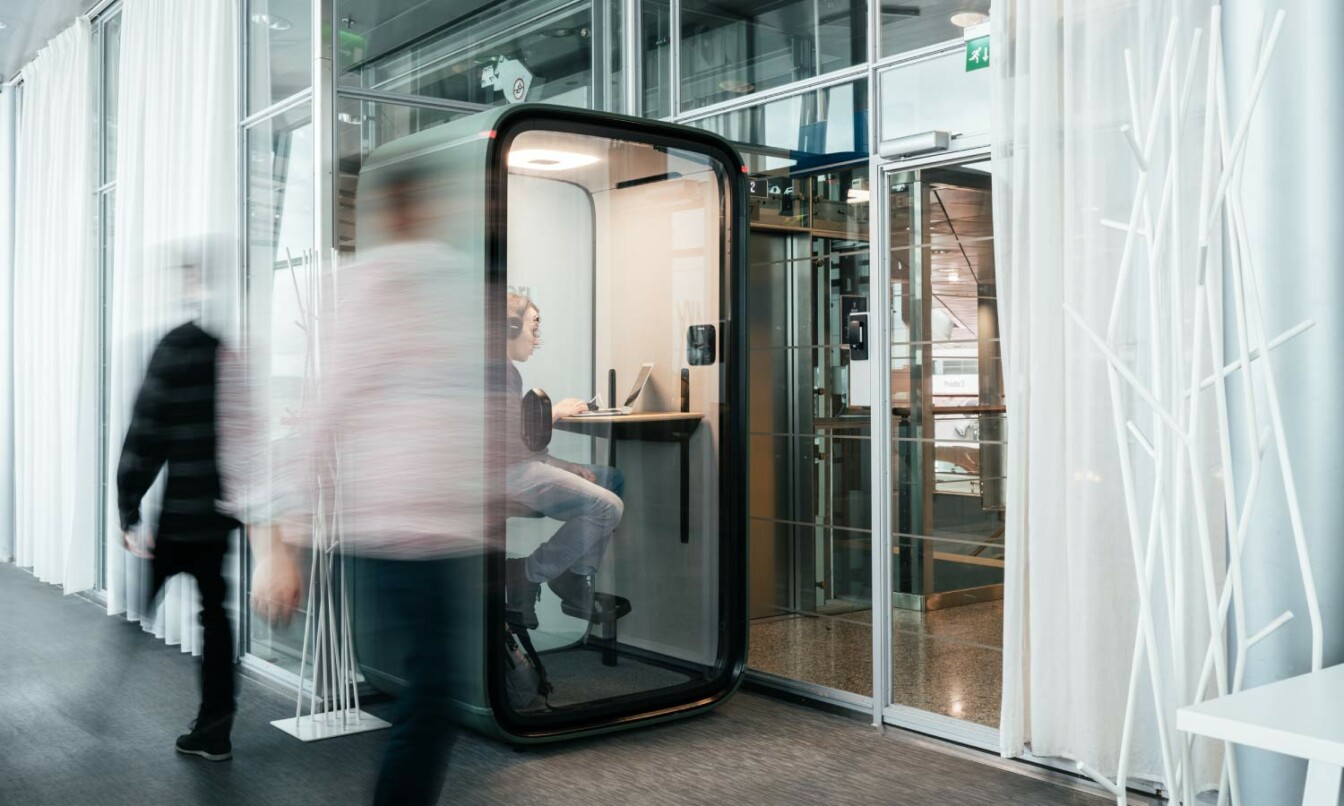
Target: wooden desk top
{"x":652,"y":426}
{"x":638,"y":417}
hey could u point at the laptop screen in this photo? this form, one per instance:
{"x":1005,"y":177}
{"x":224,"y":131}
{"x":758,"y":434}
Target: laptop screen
{"x":645,"y":370}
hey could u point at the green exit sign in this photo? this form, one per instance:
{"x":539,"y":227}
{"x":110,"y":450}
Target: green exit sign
{"x":977,"y":46}
{"x":977,"y":53}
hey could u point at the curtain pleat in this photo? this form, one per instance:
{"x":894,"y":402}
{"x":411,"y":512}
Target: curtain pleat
{"x":176,"y":185}
{"x":56,"y":319}
{"x":1065,"y":181}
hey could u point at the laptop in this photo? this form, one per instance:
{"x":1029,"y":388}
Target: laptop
{"x":645,"y":371}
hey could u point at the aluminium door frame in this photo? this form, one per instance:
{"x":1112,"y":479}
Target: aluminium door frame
{"x":885,"y":712}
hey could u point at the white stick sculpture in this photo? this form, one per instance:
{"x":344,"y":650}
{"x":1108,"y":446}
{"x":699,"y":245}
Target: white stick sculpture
{"x":1172,"y":388}
{"x":328,"y":645}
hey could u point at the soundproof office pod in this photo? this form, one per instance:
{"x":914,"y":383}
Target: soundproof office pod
{"x":592,"y":245}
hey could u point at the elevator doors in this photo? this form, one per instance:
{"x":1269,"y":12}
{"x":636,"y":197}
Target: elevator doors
{"x":810,"y":502}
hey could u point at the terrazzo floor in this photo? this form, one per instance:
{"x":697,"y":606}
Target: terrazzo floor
{"x":946,"y":661}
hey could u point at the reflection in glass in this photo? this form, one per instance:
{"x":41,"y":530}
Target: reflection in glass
{"x":948,"y":409}
{"x":810,"y":448}
{"x":281,"y":271}
{"x":732,"y":49}
{"x":279,"y":53}
{"x":801,"y":133}
{"x":913,"y":24}
{"x":506,"y":53}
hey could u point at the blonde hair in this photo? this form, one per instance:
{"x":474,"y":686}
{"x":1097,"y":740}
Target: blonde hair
{"x":518,"y":305}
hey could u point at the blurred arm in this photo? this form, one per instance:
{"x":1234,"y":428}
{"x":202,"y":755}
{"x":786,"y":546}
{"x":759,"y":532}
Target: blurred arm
{"x":276,"y":585}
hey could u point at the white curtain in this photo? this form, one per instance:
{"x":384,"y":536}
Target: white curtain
{"x":176,"y":179}
{"x":1065,"y":181}
{"x":56,"y":319}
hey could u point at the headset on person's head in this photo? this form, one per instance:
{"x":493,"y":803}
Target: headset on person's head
{"x":513,"y":325}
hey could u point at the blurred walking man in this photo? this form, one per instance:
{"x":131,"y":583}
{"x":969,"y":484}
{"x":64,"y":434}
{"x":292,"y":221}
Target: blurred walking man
{"x":174,"y":424}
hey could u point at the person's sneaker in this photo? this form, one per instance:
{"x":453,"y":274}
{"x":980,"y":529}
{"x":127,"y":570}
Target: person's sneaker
{"x":520,"y":595}
{"x":208,"y":739}
{"x":575,"y":592}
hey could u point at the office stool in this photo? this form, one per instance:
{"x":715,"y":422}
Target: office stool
{"x":608,"y":608}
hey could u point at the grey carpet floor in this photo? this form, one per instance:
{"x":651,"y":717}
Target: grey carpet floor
{"x":579,"y":677}
{"x":89,"y":707}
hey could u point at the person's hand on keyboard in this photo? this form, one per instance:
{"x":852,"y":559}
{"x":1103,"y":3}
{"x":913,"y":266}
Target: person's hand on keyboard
{"x":568,"y":407}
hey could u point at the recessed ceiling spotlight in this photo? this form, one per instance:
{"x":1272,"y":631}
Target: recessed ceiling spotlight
{"x":544,"y":159}
{"x":3,"y":25}
{"x":968,"y":19}
{"x":271,"y":21}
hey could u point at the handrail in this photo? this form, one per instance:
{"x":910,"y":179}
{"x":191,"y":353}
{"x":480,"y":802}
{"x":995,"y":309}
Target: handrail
{"x":906,"y":411}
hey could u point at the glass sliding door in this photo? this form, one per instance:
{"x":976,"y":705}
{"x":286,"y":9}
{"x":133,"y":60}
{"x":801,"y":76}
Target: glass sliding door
{"x":280,"y":276}
{"x":947,"y":410}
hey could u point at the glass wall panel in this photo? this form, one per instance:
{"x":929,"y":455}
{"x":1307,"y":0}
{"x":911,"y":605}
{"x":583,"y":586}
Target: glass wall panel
{"x":731,"y":49}
{"x":948,"y":410}
{"x":799,"y":133}
{"x":913,"y":24}
{"x":656,"y":41}
{"x":279,"y":50}
{"x":508,"y":53}
{"x":936,"y":93}
{"x":280,"y":278}
{"x":111,"y":59}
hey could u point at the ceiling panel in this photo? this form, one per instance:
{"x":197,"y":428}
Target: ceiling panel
{"x":30,"y":24}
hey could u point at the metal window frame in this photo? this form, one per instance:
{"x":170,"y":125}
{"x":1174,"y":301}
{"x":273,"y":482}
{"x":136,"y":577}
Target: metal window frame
{"x":99,"y":18}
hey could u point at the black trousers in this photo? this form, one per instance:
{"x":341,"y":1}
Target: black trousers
{"x":205,"y":562}
{"x":419,"y":605}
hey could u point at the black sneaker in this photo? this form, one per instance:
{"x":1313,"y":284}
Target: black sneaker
{"x":520,"y":595}
{"x":208,"y":739}
{"x":575,"y":592}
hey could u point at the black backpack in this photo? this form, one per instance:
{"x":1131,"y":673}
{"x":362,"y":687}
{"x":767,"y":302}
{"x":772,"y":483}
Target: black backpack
{"x":524,"y":675}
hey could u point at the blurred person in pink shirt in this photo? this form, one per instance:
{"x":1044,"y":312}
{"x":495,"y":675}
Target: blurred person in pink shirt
{"x":395,"y":443}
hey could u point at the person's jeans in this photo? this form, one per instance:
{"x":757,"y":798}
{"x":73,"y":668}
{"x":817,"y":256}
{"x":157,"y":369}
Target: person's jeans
{"x":420,"y":606}
{"x":590,"y":511}
{"x":205,"y":562}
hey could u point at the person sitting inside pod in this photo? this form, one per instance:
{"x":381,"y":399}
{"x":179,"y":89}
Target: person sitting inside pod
{"x":586,"y":497}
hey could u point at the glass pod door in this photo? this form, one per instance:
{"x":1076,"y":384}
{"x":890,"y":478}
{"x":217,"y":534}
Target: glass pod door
{"x":623,"y":544}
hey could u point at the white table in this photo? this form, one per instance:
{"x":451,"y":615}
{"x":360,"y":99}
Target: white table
{"x":1302,"y":716}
